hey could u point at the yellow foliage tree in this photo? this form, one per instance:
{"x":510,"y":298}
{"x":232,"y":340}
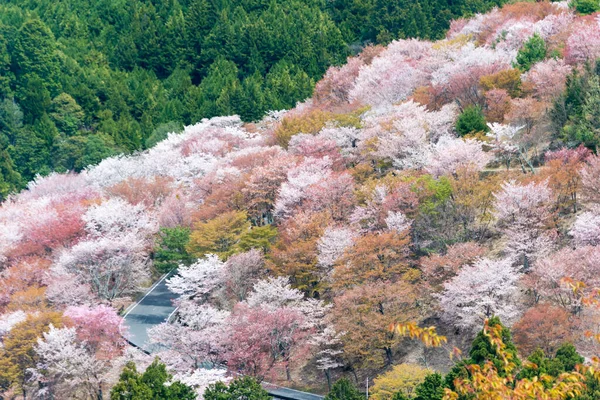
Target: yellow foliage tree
{"x":17,"y":355}
{"x":509,"y":80}
{"x":485,"y":382}
{"x":402,"y":378}
{"x":219,"y":235}
{"x":311,"y":122}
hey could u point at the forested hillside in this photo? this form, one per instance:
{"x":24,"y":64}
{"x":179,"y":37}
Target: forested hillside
{"x":81,"y":80}
{"x":429,"y":221}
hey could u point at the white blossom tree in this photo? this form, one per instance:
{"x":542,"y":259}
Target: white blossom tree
{"x":333,"y":244}
{"x":195,"y":338}
{"x":479,"y":291}
{"x":450,"y":154}
{"x":9,"y":320}
{"x":274,"y":293}
{"x":201,"y":378}
{"x":586,"y":229}
{"x":524,"y":213}
{"x":329,"y":354}
{"x":198,"y":279}
{"x":112,"y":266}
{"x":65,"y":368}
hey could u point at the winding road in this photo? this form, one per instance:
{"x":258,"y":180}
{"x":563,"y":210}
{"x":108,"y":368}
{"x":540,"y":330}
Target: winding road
{"x":155,"y":308}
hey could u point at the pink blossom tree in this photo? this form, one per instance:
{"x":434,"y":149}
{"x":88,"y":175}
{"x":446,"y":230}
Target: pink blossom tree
{"x":584,"y":43}
{"x":64,"y":288}
{"x":112,"y":266}
{"x":242,"y":270}
{"x":262,"y":341}
{"x":294,"y":191}
{"x":274,"y":293}
{"x":546,"y":279}
{"x":175,"y":211}
{"x":548,"y":78}
{"x":99,"y":328}
{"x":392,"y":76}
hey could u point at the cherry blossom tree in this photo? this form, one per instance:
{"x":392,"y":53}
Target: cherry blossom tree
{"x":299,"y":179}
{"x":479,"y":291}
{"x":99,"y":328}
{"x":497,"y":105}
{"x":392,"y":76}
{"x":397,"y":222}
{"x":403,"y":136}
{"x":57,"y":224}
{"x":115,"y":217}
{"x":335,"y":196}
{"x":586,"y":229}
{"x":584,"y":43}
{"x":333,"y":89}
{"x":548,"y":273}
{"x":202,"y":378}
{"x":548,"y":78}
{"x":274,"y":293}
{"x":345,"y":137}
{"x":175,"y":211}
{"x":333,"y":244}
{"x":449,"y":154}
{"x":504,"y":142}
{"x":242,"y":270}
{"x":439,"y":268}
{"x":65,"y":367}
{"x":329,"y":355}
{"x":113,"y":257}
{"x":263,"y":341}
{"x":198,"y":279}
{"x":65,"y":289}
{"x":112,"y":266}
{"x":262,"y":186}
{"x":316,"y":146}
{"x":198,"y":335}
{"x":9,"y":320}
{"x":524,"y":217}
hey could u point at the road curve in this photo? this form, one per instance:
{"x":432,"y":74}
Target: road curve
{"x":154,"y":308}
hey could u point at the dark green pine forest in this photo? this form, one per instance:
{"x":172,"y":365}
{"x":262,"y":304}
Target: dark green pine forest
{"x":81,"y":80}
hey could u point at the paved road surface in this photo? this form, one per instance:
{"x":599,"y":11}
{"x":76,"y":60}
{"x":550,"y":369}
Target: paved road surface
{"x":289,"y":394}
{"x":153,"y":309}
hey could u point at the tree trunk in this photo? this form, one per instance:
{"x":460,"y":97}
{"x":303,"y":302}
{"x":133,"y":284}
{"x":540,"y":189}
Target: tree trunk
{"x":388,"y":355}
{"x":328,"y":376}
